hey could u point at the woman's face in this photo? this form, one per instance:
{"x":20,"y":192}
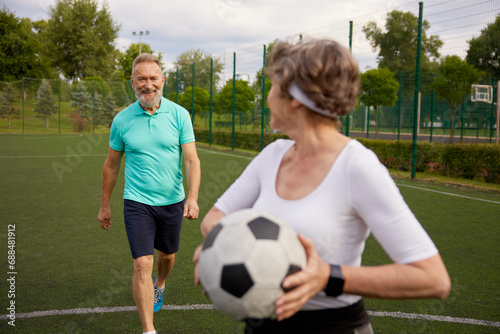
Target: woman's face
{"x":279,"y":106}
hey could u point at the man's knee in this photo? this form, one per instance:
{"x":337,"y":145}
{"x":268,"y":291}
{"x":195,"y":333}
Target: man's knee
{"x":143,"y":265}
{"x":164,"y":257}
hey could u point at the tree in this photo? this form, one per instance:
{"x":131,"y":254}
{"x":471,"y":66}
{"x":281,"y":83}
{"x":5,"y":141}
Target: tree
{"x":20,"y":50}
{"x":80,"y":38}
{"x":379,"y":88}
{"x":484,"y":51}
{"x":244,"y":98}
{"x":201,"y":100}
{"x":98,"y":84}
{"x":82,"y":102}
{"x":126,"y":59}
{"x":108,"y":110}
{"x":8,"y":96}
{"x":184,"y":64}
{"x":98,"y":88}
{"x":45,"y":104}
{"x":118,"y":88}
{"x":453,"y":83}
{"x":397,"y":45}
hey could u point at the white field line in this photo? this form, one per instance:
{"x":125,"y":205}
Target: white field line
{"x":400,"y":185}
{"x":212,"y":307}
{"x":51,"y":156}
{"x":197,"y":307}
{"x":228,"y":154}
{"x":435,"y":318}
{"x":450,"y":194}
{"x":236,"y":156}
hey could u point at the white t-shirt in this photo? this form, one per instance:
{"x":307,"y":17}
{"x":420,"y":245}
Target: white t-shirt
{"x":358,"y":196}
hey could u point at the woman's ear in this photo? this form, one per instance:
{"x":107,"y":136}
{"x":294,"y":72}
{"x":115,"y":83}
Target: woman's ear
{"x":295,"y":104}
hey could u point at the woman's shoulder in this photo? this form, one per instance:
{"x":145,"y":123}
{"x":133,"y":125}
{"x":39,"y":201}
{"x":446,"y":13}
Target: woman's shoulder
{"x":277,"y":147}
{"x":356,"y":154}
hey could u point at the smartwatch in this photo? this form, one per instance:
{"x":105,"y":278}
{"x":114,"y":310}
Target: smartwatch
{"x":335,"y":284}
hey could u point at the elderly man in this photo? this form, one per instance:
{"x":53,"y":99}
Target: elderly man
{"x":154,"y":133}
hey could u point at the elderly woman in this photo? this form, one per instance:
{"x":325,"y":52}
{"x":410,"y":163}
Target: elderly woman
{"x":334,"y":192}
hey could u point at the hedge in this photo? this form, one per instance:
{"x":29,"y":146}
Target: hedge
{"x":468,"y":161}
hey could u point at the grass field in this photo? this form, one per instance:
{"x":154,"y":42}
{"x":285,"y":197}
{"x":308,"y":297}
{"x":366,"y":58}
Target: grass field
{"x":65,"y":261}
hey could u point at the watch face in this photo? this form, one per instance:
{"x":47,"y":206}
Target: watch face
{"x":336,"y":271}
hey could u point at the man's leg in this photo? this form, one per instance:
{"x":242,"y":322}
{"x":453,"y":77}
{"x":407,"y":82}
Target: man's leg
{"x":164,"y":264}
{"x":142,"y":289}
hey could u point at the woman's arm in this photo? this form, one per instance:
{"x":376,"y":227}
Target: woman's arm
{"x":421,"y":279}
{"x":427,"y":278}
{"x":210,"y":220}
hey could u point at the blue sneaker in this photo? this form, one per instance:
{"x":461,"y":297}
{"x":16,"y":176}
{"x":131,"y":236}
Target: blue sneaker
{"x":158,"y":297}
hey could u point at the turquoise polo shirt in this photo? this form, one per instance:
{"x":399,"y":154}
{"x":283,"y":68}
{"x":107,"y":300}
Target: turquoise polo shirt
{"x":152,"y":146}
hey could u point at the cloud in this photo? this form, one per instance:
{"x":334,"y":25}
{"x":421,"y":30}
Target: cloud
{"x":221,"y":27}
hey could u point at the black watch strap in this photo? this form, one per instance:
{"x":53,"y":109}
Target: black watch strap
{"x":335,"y":284}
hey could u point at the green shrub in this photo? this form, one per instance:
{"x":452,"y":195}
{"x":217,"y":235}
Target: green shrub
{"x":472,"y":161}
{"x":242,"y":140}
{"x":468,"y":161}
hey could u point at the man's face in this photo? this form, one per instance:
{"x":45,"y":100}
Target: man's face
{"x":147,"y":81}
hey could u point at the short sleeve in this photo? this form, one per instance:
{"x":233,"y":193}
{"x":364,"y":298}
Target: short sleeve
{"x":187,"y":132}
{"x":245,"y":191}
{"x":115,"y":138}
{"x":377,"y":200}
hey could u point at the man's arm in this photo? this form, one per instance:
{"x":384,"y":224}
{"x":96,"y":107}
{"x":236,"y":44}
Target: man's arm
{"x":193,"y":174}
{"x":110,"y":172}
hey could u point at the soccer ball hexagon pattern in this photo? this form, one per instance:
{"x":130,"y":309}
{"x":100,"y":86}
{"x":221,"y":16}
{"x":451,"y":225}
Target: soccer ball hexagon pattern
{"x":245,"y":259}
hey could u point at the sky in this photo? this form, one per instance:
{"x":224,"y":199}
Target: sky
{"x":221,"y":27}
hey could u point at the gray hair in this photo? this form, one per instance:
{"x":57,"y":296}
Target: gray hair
{"x":146,"y":58}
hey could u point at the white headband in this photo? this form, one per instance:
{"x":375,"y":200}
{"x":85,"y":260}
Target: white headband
{"x":300,"y":96}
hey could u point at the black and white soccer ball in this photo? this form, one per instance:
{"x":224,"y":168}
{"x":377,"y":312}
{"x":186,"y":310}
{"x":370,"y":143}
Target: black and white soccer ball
{"x":245,"y":259}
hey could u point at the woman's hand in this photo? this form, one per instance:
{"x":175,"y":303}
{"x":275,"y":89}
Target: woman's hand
{"x":305,"y":284}
{"x":196,"y":257}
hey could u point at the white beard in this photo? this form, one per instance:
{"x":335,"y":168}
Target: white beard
{"x":146,"y":104}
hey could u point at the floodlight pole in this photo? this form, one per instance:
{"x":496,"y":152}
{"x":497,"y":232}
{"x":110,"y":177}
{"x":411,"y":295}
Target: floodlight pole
{"x":140,"y":35}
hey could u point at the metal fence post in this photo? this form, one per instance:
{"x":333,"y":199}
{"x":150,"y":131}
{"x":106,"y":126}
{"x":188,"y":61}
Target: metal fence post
{"x":59,"y":106}
{"x":263,"y":100}
{"x":22,"y":105}
{"x":462,"y":121}
{"x":400,"y":102}
{"x":417,"y":88}
{"x":350,"y":49}
{"x":177,"y":87}
{"x":433,"y":96}
{"x":234,"y":100}
{"x":498,"y":112}
{"x":192,"y":96}
{"x":93,"y":112}
{"x":492,"y":117}
{"x":211,"y":100}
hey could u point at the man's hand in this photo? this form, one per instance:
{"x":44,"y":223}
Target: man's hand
{"x":191,"y":209}
{"x":104,"y":217}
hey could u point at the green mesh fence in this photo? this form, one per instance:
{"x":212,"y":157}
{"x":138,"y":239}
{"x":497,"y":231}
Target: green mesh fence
{"x":226,"y":94}
{"x":473,"y":121}
{"x":58,"y":107}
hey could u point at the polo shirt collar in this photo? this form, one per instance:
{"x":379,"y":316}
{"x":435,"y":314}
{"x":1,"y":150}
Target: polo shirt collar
{"x":162,"y":109}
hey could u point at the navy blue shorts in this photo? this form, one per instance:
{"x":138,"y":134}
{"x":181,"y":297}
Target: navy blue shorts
{"x":153,"y":227}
